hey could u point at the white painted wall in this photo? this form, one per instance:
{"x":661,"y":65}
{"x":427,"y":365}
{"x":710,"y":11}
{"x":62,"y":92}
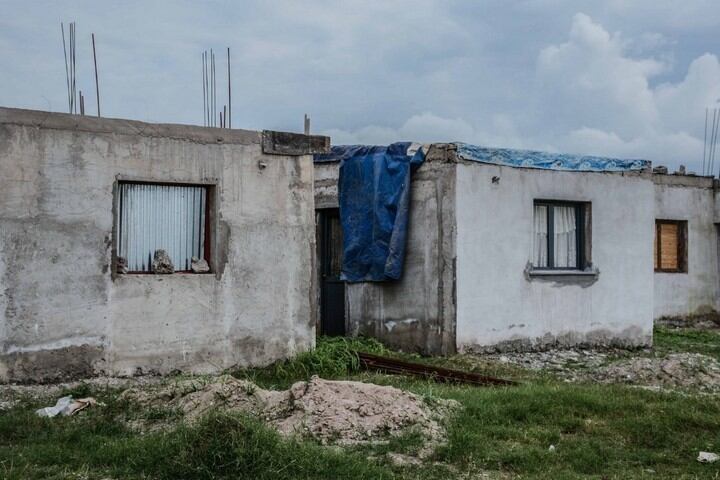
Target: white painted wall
{"x":693,"y":200}
{"x":498,"y":306}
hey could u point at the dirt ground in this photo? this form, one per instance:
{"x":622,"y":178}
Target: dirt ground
{"x":670,"y":371}
{"x":331,"y":412}
{"x":664,"y":367}
{"x":481,"y":433}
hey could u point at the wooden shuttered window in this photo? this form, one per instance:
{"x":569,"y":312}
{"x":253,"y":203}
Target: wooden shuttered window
{"x":670,"y":247}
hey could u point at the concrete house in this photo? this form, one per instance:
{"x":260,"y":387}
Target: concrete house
{"x":687,"y":266}
{"x":521,"y":250}
{"x":85,"y":203}
{"x":504,"y":249}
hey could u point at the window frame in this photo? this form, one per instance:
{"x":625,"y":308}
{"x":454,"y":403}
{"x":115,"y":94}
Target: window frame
{"x":581,"y":236}
{"x":208,"y":237}
{"x":682,"y":246}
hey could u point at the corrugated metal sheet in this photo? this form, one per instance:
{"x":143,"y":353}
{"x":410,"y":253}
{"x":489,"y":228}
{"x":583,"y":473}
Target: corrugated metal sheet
{"x":168,"y":217}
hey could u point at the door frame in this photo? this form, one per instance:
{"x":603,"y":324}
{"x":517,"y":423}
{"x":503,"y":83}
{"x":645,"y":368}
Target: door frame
{"x":321,"y":234}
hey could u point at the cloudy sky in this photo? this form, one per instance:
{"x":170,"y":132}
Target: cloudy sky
{"x":617,"y":77}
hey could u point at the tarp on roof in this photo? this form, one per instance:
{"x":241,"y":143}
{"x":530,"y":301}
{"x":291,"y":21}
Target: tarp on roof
{"x":374,"y":198}
{"x":547,"y":161}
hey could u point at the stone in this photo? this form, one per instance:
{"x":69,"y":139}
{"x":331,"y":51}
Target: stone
{"x":402,"y":460}
{"x":199,"y":265}
{"x":122,"y":266}
{"x":162,"y":264}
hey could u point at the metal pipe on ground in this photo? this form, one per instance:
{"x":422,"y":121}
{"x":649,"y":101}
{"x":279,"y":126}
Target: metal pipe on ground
{"x":391,"y":365}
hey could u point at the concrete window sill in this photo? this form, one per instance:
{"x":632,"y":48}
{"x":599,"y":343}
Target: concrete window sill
{"x":151,"y":274}
{"x":177,"y":276}
{"x":564,"y":276}
{"x":542,"y":273}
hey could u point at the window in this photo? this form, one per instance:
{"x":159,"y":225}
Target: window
{"x":166,"y":217}
{"x":670,"y":246}
{"x":560,"y":233}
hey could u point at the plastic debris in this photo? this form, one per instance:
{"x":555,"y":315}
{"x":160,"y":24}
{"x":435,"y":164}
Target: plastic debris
{"x":66,"y":406}
{"x":708,"y":457}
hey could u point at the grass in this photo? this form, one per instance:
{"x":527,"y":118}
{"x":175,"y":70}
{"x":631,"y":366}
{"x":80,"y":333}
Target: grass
{"x":668,"y":339}
{"x":599,"y":432}
{"x":220,"y":446}
{"x":332,"y":358}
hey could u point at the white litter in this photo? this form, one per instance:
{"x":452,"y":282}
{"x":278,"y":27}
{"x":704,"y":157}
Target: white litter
{"x":708,"y":457}
{"x":66,"y":406}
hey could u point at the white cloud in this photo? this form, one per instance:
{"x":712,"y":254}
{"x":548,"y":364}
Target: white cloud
{"x":609,"y":104}
{"x":531,"y":74}
{"x":590,"y":96}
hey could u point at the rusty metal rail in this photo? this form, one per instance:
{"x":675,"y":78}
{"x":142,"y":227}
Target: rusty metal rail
{"x":392,"y":365}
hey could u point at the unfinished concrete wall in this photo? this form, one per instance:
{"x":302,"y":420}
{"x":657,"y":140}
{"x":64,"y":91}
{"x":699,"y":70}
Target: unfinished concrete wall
{"x":416,"y":313}
{"x":690,"y":199}
{"x":62,"y":310}
{"x":500,"y":306}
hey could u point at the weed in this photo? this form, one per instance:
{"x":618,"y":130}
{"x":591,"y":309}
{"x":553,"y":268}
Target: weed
{"x":599,"y":431}
{"x":332,"y":358}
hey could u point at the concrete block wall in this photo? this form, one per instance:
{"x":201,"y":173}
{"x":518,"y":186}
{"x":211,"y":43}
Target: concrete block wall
{"x":692,"y":199}
{"x":417,"y":312}
{"x":63,"y":312}
{"x":499,"y":306}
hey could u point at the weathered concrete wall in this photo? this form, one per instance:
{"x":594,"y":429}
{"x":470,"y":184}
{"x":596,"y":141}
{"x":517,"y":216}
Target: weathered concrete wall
{"x":62,"y":312}
{"x":416,"y":313}
{"x":500,"y":306}
{"x":696,"y":292}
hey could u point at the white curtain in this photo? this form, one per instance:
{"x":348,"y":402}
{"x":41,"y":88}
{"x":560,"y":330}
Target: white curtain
{"x":565,"y":250}
{"x":540,"y":237}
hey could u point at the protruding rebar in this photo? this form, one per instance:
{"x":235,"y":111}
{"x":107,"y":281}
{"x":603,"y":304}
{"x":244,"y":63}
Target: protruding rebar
{"x":97,"y":84}
{"x":229,"y":110}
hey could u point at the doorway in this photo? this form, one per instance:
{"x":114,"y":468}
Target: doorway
{"x":332,"y":289}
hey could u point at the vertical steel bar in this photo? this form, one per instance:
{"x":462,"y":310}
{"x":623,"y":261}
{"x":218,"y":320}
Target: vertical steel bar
{"x":97,"y":84}
{"x":229,"y":114}
{"x":705,"y":141}
{"x":204,"y":95}
{"x":67,"y":70}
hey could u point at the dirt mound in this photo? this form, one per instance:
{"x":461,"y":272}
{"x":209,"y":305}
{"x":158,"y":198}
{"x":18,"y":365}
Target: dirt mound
{"x":678,"y":370}
{"x":337,"y":412}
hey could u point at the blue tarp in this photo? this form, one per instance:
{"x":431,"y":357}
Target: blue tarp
{"x":374,"y":197}
{"x":547,"y":161}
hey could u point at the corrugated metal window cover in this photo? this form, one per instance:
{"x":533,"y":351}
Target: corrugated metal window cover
{"x":158,"y":216}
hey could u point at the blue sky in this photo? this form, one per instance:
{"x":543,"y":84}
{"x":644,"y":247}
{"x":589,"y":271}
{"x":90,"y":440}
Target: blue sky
{"x":618,"y":78}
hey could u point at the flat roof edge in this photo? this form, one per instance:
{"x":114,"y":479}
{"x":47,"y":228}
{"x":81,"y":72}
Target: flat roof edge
{"x":282,"y":143}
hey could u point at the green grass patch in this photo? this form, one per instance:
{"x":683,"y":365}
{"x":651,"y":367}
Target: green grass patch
{"x":221,"y":446}
{"x":333,"y":357}
{"x":598,"y":431}
{"x":670,"y":340}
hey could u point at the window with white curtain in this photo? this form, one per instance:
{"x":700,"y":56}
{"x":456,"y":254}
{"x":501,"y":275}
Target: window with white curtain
{"x":558,"y":235}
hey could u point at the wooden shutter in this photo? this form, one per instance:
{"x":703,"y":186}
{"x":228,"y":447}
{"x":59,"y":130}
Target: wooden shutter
{"x":669,"y":246}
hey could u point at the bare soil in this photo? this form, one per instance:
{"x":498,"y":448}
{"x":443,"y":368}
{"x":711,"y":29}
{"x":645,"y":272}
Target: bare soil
{"x":669,"y":371}
{"x":331,"y":412}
